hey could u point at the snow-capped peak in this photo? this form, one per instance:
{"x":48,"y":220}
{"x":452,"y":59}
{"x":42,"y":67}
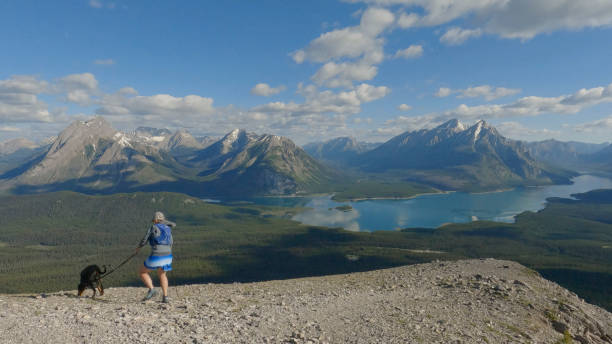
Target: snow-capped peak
{"x":232,"y":136}
{"x":454,"y":125}
{"x":122,"y":139}
{"x":95,"y":122}
{"x":478,"y":129}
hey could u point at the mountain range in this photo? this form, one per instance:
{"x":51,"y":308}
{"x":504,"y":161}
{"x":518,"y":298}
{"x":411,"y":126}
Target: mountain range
{"x":571,"y":154}
{"x":93,"y":157}
{"x":14,"y":152}
{"x":452,"y":156}
{"x":340,"y":150}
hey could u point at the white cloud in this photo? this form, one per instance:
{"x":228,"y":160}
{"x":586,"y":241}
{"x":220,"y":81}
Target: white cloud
{"x":437,"y":12}
{"x":375,"y":20}
{"x":408,"y":20}
{"x":457,"y":36}
{"x":533,"y":106}
{"x":526,"y":19}
{"x":327,"y":102}
{"x":8,"y":129}
{"x":485,"y":91}
{"x":19,"y":99}
{"x":101,"y":4}
{"x":33,"y":111}
{"x":128,"y":91}
{"x":344,"y":74}
{"x":523,"y":107}
{"x":264,"y":90}
{"x":95,"y":4}
{"x":322,"y":114}
{"x":78,"y":88}
{"x":389,"y":132}
{"x":299,"y":56}
{"x":600,"y":125}
{"x":518,"y":131}
{"x":23,"y":84}
{"x":349,"y":54}
{"x":80,"y":97}
{"x":488,"y":92}
{"x":367,"y":93}
{"x":522,"y":19}
{"x":443,"y":92}
{"x":347,"y":42}
{"x":402,"y":124}
{"x":412,"y":51}
{"x":19,"y":103}
{"x":105,"y":62}
{"x":404,"y":107}
{"x":157,"y":106}
{"x":85,"y":81}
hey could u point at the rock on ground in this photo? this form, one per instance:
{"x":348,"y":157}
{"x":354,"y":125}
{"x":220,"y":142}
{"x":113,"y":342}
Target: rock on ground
{"x":470,"y":301}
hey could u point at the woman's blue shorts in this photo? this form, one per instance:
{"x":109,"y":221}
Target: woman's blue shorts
{"x":155,"y":262}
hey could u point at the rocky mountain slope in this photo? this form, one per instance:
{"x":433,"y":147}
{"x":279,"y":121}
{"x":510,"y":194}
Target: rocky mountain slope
{"x":341,"y":150}
{"x":178,"y":144}
{"x":600,"y":160}
{"x":12,"y":146}
{"x":14,"y":152}
{"x":181,"y":143}
{"x":453,"y":155}
{"x":569,"y":154}
{"x":91,"y":156}
{"x":261,"y":162}
{"x":472,"y":301}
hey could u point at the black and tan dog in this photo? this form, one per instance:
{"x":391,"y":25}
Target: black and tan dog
{"x":91,"y":277}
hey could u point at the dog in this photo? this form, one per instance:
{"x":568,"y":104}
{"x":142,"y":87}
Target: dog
{"x":91,"y":277}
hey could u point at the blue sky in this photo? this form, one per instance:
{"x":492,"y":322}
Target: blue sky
{"x":309,"y":70}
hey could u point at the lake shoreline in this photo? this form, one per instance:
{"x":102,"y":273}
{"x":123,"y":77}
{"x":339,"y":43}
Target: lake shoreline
{"x":331,"y":195}
{"x":361,"y":199}
{"x":498,"y":191}
{"x":444,"y":208}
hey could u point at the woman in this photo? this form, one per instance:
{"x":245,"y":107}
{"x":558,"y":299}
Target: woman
{"x":159,"y":236}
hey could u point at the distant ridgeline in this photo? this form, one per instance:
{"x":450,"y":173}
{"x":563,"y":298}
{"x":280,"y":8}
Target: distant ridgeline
{"x":47,"y":239}
{"x":94,"y":158}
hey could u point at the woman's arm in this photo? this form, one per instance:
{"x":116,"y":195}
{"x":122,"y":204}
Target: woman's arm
{"x":145,"y":239}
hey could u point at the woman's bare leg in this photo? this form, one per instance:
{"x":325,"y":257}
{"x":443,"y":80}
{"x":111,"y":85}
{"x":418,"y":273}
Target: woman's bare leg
{"x":144,"y":276}
{"x":163,"y":280}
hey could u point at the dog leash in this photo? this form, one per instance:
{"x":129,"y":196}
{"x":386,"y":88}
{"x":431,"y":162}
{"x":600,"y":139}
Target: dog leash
{"x":118,"y":266}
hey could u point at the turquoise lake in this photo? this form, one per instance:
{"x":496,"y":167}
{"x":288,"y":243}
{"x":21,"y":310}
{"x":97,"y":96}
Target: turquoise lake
{"x":432,"y":210}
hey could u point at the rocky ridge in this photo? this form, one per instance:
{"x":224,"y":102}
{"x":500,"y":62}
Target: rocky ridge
{"x":93,"y":157}
{"x":12,"y":146}
{"x":341,"y":150}
{"x":454,"y":156}
{"x":471,"y":301}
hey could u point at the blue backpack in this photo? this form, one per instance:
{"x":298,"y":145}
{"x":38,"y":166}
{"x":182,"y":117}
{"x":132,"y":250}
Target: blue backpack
{"x":162,"y":235}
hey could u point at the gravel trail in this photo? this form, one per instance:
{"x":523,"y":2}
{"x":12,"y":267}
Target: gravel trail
{"x":469,"y":301}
